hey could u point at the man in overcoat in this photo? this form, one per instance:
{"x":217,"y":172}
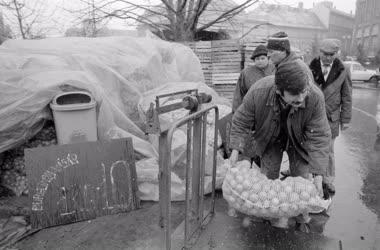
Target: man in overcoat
{"x":333,"y":78}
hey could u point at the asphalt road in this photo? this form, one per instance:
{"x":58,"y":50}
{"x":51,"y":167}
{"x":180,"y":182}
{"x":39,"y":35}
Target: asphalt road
{"x":355,"y":212}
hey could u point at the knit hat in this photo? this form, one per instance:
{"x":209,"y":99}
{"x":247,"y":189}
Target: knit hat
{"x":329,"y":45}
{"x":259,"y":51}
{"x":279,"y":41}
{"x":292,"y":76}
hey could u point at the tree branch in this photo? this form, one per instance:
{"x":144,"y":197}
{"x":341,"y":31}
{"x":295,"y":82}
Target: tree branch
{"x":254,"y":27}
{"x":232,"y":11}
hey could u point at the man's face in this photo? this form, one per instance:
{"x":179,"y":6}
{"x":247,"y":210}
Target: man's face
{"x":261,"y":61}
{"x":276,"y":56}
{"x":295,"y":100}
{"x":327,"y":58}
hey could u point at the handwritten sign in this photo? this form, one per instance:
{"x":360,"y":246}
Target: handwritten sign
{"x":76,"y":182}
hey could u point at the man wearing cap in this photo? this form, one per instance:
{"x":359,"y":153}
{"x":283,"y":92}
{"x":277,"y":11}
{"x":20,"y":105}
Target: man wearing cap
{"x":286,"y":113}
{"x":279,"y":49}
{"x":332,"y":77}
{"x":252,"y":74}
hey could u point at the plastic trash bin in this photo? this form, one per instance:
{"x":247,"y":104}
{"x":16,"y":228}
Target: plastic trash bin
{"x":74,"y":117}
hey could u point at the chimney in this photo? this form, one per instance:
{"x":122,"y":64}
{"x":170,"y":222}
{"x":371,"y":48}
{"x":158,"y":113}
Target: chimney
{"x":300,"y":5}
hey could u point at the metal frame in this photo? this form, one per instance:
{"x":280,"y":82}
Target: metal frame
{"x":195,"y":161}
{"x":194,"y":209}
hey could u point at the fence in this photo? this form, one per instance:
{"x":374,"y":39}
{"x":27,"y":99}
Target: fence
{"x":222,"y":62}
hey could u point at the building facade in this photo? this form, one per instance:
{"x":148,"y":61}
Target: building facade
{"x":339,"y":24}
{"x":367,"y":27}
{"x":302,"y":26}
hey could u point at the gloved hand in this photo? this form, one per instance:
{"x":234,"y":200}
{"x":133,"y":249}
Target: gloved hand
{"x":318,"y":183}
{"x":344,"y":126}
{"x":234,"y":157}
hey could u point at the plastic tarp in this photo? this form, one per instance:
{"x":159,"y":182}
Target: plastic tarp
{"x":124,"y":74}
{"x":116,"y":70}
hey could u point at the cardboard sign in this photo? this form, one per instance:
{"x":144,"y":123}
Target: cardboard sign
{"x":75,"y":182}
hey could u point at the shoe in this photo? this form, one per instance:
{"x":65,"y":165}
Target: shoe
{"x":328,"y":188}
{"x":303,"y":227}
{"x":285,"y":173}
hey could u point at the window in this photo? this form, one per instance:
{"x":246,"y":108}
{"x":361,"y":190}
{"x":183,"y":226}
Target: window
{"x":357,"y":67}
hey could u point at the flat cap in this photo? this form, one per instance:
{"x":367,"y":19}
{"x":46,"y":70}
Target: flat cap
{"x":330,"y":45}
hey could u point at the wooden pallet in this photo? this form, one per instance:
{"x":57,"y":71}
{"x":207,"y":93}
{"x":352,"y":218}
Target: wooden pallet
{"x":223,"y":60}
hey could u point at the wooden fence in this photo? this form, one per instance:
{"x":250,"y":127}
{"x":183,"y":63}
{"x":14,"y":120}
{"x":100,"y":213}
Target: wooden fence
{"x":222,"y":62}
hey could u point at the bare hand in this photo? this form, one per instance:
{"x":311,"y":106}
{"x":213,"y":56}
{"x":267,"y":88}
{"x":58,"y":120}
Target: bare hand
{"x":234,"y":157}
{"x":318,"y":183}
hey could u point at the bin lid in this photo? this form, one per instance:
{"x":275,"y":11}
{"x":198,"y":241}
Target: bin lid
{"x":73,"y":100}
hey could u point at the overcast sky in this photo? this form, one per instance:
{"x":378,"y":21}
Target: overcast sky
{"x":61,"y":20}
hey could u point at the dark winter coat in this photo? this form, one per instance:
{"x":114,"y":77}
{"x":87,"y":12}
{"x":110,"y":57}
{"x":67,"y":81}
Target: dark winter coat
{"x":291,"y":57}
{"x":247,"y":78}
{"x":337,"y":90}
{"x":307,"y":125}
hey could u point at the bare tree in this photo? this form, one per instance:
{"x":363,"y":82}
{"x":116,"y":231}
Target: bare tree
{"x":5,"y":30}
{"x":27,"y":17}
{"x":90,"y":19}
{"x":177,"y":20}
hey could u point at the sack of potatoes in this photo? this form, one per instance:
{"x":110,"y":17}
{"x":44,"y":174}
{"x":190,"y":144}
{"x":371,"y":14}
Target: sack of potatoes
{"x":250,"y":192}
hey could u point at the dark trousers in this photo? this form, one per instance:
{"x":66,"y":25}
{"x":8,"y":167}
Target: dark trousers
{"x":272,"y":158}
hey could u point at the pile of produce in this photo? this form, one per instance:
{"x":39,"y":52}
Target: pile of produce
{"x":12,"y":169}
{"x":248,"y":191}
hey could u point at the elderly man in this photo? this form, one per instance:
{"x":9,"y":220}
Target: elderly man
{"x":252,"y":74}
{"x":333,"y":78}
{"x":279,"y":49}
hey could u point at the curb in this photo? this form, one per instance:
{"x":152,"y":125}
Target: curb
{"x":360,"y":86}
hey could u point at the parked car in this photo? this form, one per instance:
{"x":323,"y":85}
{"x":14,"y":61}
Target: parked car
{"x":359,"y":73}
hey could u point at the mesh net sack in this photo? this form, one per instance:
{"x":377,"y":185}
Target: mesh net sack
{"x":250,"y":192}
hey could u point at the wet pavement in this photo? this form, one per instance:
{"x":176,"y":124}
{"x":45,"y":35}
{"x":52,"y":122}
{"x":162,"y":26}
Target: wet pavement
{"x":354,"y":215}
{"x":355,"y":212}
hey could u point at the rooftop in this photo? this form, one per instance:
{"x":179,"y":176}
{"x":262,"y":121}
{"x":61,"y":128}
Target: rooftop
{"x":285,"y":16}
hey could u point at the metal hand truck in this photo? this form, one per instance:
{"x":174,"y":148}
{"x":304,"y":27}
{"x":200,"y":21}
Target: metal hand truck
{"x":195,"y":218}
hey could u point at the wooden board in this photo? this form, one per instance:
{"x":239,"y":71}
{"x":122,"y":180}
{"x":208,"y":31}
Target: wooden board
{"x":75,"y":182}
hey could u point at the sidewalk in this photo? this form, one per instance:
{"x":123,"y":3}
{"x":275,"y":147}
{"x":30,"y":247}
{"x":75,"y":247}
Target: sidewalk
{"x":365,"y":85}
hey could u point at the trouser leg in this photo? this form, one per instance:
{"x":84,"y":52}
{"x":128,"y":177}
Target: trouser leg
{"x":271,"y":161}
{"x":330,"y":176}
{"x":297,"y":165}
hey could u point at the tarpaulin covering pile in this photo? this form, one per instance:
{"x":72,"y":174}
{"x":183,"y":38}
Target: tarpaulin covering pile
{"x":122,"y":73}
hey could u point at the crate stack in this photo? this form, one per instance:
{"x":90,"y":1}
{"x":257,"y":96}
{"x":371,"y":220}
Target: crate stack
{"x":203,"y":50}
{"x":247,"y":49}
{"x":226,"y":66}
